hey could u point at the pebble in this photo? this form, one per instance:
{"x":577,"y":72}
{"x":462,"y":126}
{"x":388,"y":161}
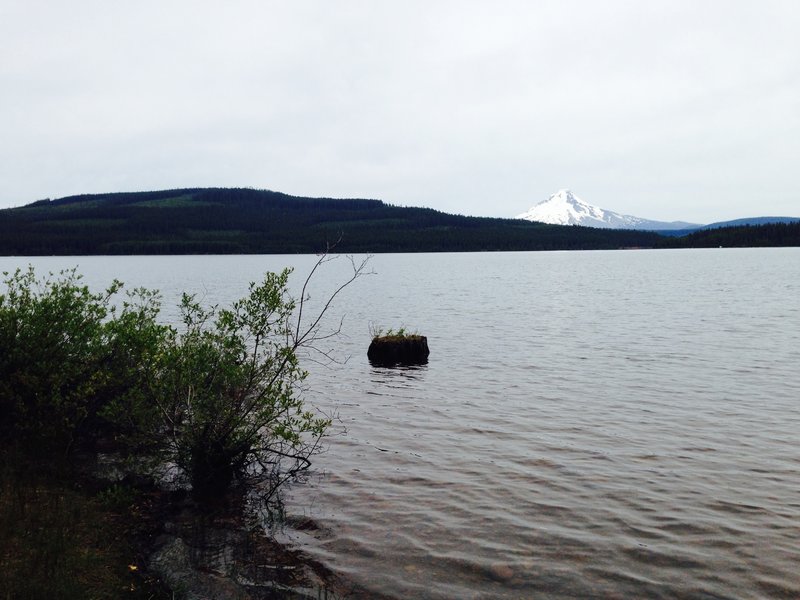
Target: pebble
{"x":501,"y":572}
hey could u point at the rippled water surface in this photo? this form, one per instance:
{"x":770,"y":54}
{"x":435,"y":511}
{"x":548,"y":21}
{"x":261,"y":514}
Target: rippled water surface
{"x":590,"y":424}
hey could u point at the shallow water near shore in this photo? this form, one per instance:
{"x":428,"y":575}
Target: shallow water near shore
{"x":590,"y":424}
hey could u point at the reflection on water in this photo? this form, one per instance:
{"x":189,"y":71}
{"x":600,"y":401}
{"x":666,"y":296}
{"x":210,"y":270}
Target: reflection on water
{"x":398,"y":375}
{"x":589,"y":425}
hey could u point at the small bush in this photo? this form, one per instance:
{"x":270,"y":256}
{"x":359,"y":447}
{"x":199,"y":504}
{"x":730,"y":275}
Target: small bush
{"x":220,"y":400}
{"x":54,"y":370}
{"x":218,"y":397}
{"x":377,"y":332}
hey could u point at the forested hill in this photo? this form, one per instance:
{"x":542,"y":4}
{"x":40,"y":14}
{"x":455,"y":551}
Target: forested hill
{"x":742,"y":236}
{"x":247,"y":221}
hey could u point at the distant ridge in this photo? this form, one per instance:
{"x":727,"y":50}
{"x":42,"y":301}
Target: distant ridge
{"x":565,"y":208}
{"x":750,"y":221}
{"x":739,"y":236}
{"x":746,"y":222}
{"x":249,"y":221}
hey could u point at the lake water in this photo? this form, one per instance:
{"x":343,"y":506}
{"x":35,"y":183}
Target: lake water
{"x":589,"y":425}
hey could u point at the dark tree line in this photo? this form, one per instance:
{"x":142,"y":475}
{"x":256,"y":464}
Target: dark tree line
{"x":247,"y":221}
{"x":742,"y":236}
{"x":225,"y":221}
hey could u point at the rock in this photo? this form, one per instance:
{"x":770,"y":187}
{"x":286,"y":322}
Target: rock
{"x":393,"y":350}
{"x":173,"y":563}
{"x":501,"y":572}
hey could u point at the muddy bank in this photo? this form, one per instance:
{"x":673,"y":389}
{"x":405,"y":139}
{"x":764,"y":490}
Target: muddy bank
{"x":223,"y":550}
{"x":220,"y":551}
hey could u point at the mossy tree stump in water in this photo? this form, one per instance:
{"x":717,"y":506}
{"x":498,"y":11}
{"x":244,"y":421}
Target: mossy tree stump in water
{"x":398,"y":349}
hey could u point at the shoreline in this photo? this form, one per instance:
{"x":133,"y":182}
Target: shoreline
{"x":76,"y":532}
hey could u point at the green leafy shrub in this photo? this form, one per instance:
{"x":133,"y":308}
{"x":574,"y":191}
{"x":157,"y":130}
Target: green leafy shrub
{"x":52,"y":352}
{"x":217,"y":398}
{"x":220,"y":400}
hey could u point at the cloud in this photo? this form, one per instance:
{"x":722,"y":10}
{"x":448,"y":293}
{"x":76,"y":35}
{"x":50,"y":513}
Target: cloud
{"x":667,"y":110}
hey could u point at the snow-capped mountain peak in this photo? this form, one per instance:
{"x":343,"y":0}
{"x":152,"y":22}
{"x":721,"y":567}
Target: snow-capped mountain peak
{"x":565,"y":208}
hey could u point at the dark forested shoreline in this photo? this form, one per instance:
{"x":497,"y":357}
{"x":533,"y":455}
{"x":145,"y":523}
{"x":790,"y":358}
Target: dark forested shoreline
{"x":248,"y":221}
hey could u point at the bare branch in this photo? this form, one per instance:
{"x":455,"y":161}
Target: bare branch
{"x":358,"y":271}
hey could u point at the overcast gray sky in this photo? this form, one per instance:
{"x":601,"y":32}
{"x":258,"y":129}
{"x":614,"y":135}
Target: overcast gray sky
{"x":669,"y":110}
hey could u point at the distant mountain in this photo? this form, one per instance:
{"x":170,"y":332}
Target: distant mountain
{"x":750,"y":221}
{"x":739,"y":236}
{"x":565,"y":208}
{"x":746,"y":222}
{"x":248,"y":221}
